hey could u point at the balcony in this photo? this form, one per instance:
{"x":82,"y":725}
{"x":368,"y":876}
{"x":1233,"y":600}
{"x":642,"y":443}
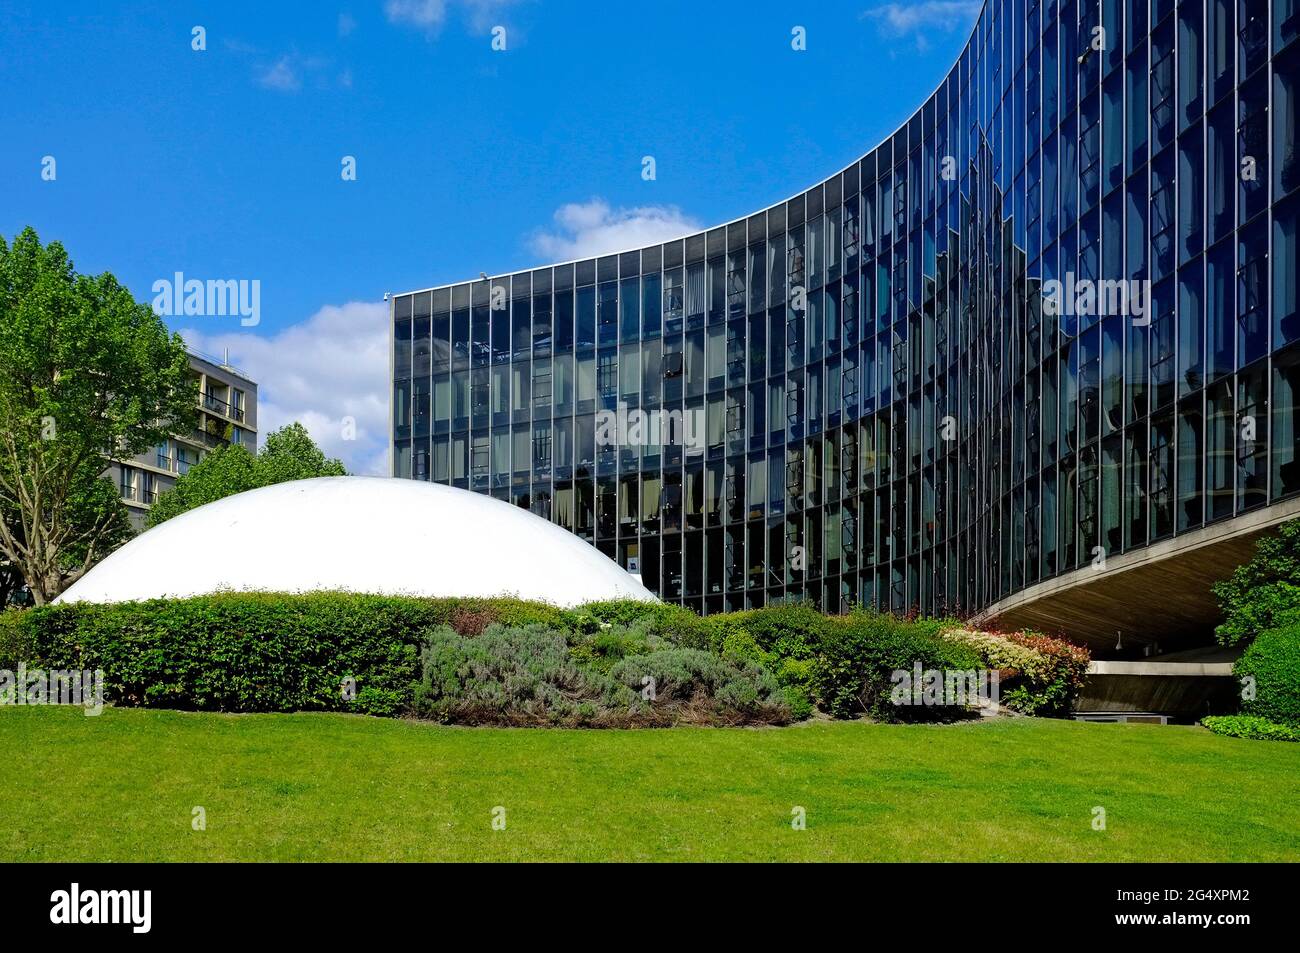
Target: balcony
{"x":210,"y":437}
{"x":216,"y":405}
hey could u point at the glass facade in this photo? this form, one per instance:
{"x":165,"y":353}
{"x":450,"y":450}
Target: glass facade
{"x":1053,"y":317}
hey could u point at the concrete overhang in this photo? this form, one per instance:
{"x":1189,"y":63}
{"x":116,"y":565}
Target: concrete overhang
{"x":1159,"y":593}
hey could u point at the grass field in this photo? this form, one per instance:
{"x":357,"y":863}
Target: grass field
{"x":123,"y":786}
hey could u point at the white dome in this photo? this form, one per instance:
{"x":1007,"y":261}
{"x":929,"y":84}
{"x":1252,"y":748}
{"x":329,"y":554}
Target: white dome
{"x":359,"y":534}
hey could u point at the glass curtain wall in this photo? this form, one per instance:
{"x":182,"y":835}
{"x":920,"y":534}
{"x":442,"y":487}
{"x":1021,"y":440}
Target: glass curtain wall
{"x":1052,"y":317}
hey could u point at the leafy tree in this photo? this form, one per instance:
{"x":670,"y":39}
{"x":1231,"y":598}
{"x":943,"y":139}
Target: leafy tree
{"x":289,"y":454}
{"x":223,"y":472}
{"x":1265,"y":591}
{"x":95,"y":503}
{"x":86,"y":373}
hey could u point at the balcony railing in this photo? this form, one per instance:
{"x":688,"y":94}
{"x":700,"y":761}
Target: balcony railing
{"x":209,"y":440}
{"x":219,"y":406}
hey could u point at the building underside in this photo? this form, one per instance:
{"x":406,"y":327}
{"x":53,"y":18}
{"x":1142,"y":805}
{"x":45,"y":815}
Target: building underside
{"x":1146,"y":603}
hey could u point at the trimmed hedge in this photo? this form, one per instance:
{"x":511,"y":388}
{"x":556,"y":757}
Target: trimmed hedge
{"x":245,"y":652}
{"x":1250,"y":726}
{"x":16,"y":644}
{"x":513,"y":662}
{"x":1273,"y":661}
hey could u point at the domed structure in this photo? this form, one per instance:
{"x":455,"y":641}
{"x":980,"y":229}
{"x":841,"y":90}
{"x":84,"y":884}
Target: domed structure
{"x":359,"y":534}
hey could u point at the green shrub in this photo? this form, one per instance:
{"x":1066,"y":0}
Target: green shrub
{"x":799,"y":675}
{"x":858,"y":653}
{"x":523,"y":675}
{"x":16,"y":642}
{"x":1273,"y":661}
{"x":706,"y":685}
{"x":470,"y":616}
{"x":1261,"y":593}
{"x":781,"y":639}
{"x":603,"y":648}
{"x":244,"y":652}
{"x":842,"y":663}
{"x":1250,"y":726}
{"x":799,"y":701}
{"x":264,"y":651}
{"x":673,"y":623}
{"x":787,"y":631}
{"x":529,"y":676}
{"x":740,"y":646}
{"x":513,"y":661}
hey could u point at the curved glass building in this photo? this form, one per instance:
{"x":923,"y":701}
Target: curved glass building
{"x":1036,"y":356}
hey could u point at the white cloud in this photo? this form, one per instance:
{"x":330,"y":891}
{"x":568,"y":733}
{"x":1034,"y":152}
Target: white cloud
{"x":282,"y":75}
{"x":483,"y":15}
{"x":430,"y":15}
{"x":585,"y":229}
{"x":292,"y":71}
{"x":236,"y":45}
{"x":321,"y":371}
{"x":426,"y":15}
{"x":922,"y":20}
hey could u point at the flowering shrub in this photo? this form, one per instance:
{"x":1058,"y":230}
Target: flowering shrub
{"x":1039,"y":675}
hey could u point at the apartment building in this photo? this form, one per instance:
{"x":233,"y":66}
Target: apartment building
{"x":227,"y":415}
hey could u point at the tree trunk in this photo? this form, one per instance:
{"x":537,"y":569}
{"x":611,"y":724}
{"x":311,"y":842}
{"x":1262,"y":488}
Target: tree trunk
{"x":42,"y":590}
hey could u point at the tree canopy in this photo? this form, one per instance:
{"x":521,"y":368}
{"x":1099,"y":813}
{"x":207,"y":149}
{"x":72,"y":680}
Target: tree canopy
{"x":1264,"y":592}
{"x":288,"y":454}
{"x":86,"y":373}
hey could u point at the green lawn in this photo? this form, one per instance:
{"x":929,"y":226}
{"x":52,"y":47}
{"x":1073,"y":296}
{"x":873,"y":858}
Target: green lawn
{"x":122,"y":786}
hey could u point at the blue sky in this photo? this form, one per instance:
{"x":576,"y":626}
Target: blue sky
{"x":225,"y":162}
